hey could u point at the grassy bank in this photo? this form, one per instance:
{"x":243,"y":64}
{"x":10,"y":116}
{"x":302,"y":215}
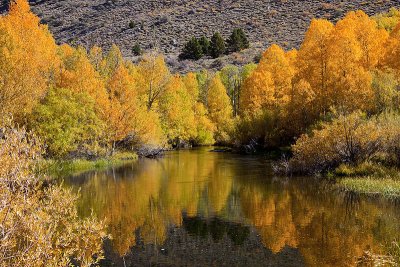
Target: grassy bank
{"x":60,"y":168}
{"x":386,"y":187}
{"x":370,"y":179}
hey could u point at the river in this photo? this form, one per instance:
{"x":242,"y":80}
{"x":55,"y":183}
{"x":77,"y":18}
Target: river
{"x":201,"y":208}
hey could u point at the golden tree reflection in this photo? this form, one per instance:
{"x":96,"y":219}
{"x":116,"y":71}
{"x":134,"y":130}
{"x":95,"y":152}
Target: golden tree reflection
{"x":141,"y":202}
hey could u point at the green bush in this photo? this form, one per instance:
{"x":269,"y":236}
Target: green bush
{"x":137,"y":50}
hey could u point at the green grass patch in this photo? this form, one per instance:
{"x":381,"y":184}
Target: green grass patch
{"x":62,"y":168}
{"x":369,"y":178}
{"x":386,"y":187}
{"x":366,"y":169}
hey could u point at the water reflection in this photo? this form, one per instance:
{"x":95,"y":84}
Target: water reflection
{"x":157,"y":209}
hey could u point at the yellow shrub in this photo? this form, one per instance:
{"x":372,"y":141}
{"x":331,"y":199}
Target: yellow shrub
{"x":347,"y":139}
{"x":39,"y":224}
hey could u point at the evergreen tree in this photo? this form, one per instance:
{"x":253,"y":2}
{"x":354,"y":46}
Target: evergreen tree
{"x":205,"y":45}
{"x":237,"y":41}
{"x":192,"y":50}
{"x":217,"y":45}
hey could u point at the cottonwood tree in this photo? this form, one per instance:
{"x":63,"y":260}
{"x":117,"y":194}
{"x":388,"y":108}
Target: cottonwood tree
{"x":154,"y":76}
{"x":27,"y":60}
{"x":219,"y":108}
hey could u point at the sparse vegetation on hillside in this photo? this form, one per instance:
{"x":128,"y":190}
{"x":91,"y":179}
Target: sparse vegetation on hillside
{"x":169,"y":23}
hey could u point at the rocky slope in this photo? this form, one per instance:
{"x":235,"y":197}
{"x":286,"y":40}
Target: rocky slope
{"x":167,"y":24}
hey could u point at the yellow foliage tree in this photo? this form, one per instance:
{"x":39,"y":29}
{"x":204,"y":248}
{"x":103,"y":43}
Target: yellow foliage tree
{"x":123,"y":104}
{"x":392,"y":53}
{"x":368,"y":37}
{"x":110,"y":63}
{"x":354,"y":51}
{"x":314,"y":60}
{"x":27,"y":60}
{"x":192,"y":86}
{"x":276,"y":62}
{"x":78,"y":74}
{"x":258,"y":91}
{"x":176,"y":109}
{"x":154,"y":76}
{"x":220,"y":109}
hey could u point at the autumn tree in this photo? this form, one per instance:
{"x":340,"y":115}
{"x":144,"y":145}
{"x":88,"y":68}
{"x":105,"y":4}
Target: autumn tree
{"x":388,"y":20}
{"x":192,"y":86}
{"x":112,"y":60}
{"x":386,"y":94}
{"x":300,"y":110}
{"x":154,"y":76}
{"x":123,"y":104}
{"x":279,"y":64}
{"x":203,"y":79}
{"x":28,"y":60}
{"x":67,"y":122}
{"x":392,"y":53}
{"x":205,"y":128}
{"x":220,"y":109}
{"x":79,"y":75}
{"x":258,"y":91}
{"x":350,"y":87}
{"x":368,"y":37}
{"x":315,"y":61}
{"x":176,"y":109}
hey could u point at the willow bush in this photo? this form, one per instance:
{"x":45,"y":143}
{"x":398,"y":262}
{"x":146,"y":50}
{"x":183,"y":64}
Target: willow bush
{"x":39,"y":224}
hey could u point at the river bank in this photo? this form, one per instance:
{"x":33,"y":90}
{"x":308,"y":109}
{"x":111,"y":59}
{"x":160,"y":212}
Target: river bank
{"x":369,"y":178}
{"x":62,"y":168}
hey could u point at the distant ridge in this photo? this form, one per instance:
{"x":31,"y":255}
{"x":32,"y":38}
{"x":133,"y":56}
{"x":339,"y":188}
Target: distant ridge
{"x":169,"y":23}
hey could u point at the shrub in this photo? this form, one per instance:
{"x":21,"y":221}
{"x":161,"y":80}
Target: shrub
{"x":39,"y":223}
{"x":137,"y":50}
{"x":350,"y":139}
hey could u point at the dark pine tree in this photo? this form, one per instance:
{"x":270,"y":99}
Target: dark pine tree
{"x":218,"y":47}
{"x":192,"y":50}
{"x":205,"y":45}
{"x":237,"y":41}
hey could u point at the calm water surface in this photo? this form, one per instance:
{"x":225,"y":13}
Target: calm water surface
{"x":199,"y":208}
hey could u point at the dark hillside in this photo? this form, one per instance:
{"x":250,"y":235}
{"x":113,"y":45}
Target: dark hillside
{"x":170,"y":23}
